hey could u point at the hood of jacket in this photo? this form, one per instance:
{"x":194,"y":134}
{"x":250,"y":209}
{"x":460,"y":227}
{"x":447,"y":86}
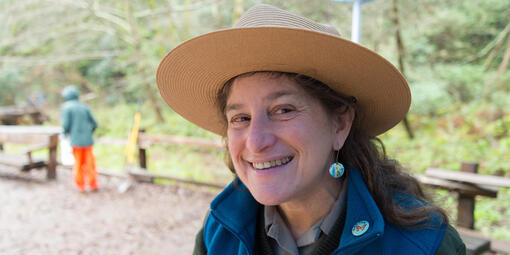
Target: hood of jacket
{"x":70,"y":93}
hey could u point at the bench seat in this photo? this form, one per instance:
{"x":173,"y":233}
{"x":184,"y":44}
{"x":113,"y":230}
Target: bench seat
{"x":21,"y":162}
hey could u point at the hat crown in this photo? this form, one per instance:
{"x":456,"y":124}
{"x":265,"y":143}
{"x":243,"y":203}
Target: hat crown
{"x":264,"y":15}
{"x":270,"y":39}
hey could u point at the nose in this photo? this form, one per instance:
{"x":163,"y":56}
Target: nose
{"x":260,"y":135}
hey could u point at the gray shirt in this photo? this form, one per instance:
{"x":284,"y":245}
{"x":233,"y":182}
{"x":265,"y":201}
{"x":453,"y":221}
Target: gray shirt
{"x":281,"y":238}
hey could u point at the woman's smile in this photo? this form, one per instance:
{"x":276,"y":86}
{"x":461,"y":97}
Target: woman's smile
{"x":272,"y":163}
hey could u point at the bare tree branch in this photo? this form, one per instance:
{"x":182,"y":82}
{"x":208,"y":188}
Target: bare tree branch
{"x":506,"y":57}
{"x":19,"y":6}
{"x":498,"y":42}
{"x":182,"y":8}
{"x":39,"y":34}
{"x":110,"y":17}
{"x":42,"y":61}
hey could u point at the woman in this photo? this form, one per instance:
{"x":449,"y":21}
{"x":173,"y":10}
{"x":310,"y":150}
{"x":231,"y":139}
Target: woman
{"x":300,"y":108}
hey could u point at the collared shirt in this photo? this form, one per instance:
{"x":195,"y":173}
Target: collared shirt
{"x":281,"y":238}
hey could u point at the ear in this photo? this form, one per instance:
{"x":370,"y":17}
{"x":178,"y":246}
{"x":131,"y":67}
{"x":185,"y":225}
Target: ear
{"x":342,"y":123}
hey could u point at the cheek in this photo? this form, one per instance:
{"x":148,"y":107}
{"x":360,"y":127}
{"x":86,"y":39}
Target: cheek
{"x":302,"y":134}
{"x":234,"y":145}
{"x":311,"y":137}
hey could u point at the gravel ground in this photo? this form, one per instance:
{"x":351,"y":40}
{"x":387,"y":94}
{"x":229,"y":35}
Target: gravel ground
{"x":52,"y":217}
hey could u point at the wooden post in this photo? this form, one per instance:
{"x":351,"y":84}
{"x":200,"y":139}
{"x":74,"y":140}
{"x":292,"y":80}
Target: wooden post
{"x":52,"y":163}
{"x":466,"y":204}
{"x":142,"y":154}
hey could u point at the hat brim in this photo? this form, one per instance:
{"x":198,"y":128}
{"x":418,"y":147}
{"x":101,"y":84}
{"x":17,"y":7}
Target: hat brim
{"x":190,"y":76}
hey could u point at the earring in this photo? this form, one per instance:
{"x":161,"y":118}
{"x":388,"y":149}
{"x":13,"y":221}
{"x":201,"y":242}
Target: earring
{"x":336,"y":169}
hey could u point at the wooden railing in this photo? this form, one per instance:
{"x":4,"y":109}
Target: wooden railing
{"x":145,"y":141}
{"x":468,"y":184}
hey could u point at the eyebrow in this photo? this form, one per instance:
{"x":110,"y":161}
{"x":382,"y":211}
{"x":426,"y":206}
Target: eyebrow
{"x":271,"y":96}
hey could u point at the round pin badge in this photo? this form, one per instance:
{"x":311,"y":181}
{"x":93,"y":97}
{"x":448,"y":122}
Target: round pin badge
{"x":360,"y":228}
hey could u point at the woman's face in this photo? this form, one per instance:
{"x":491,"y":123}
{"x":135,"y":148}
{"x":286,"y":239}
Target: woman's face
{"x":280,"y":139}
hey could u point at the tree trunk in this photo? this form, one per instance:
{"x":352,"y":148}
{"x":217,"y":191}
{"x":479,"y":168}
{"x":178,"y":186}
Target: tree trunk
{"x":137,"y":57}
{"x":187,"y":21}
{"x":497,"y":46}
{"x":238,"y":10}
{"x":217,"y":14}
{"x":504,"y":63}
{"x":401,"y":54}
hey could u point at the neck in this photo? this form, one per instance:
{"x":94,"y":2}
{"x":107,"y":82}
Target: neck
{"x":301,"y":214}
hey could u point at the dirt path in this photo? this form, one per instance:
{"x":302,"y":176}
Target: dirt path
{"x":40,"y":217}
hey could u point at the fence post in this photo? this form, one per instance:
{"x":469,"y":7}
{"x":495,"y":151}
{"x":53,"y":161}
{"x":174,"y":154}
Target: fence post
{"x":142,"y":154}
{"x":52,"y":163}
{"x":466,"y":203}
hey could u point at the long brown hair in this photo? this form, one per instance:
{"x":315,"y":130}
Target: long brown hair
{"x":383,"y":176}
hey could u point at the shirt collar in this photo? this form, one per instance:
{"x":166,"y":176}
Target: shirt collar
{"x":276,"y":228}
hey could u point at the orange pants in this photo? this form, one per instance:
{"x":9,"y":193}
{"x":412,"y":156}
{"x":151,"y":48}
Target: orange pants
{"x":84,"y":168}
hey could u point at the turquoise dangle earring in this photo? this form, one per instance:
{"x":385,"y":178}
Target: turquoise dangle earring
{"x":336,"y":169}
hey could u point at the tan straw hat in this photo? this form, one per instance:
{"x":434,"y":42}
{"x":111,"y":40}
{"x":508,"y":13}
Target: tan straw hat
{"x":270,"y":39}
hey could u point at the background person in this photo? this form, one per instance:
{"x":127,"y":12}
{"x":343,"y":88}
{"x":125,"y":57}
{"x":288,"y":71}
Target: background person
{"x":300,"y":109}
{"x":79,"y":124}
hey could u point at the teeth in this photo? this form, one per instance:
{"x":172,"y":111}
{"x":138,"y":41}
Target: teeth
{"x":272,"y":163}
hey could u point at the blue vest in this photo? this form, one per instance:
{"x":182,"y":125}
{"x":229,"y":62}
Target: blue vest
{"x":230,"y":227}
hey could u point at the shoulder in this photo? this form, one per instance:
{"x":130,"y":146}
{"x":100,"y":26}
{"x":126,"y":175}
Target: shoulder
{"x":452,"y":243}
{"x":439,"y":240}
{"x":230,"y":226}
{"x":82,"y":105}
{"x":200,"y":248}
{"x":65,"y":106}
{"x":218,"y":239}
{"x":71,"y":105}
{"x":423,"y":240}
{"x":429,"y":234}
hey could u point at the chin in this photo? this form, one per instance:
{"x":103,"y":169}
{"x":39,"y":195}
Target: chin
{"x":267,"y":197}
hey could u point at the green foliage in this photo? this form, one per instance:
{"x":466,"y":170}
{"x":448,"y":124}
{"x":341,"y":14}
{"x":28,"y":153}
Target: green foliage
{"x":464,"y":82}
{"x":460,"y":109}
{"x":190,"y":163}
{"x":10,"y":79}
{"x":429,"y":93}
{"x":457,"y":30}
{"x":120,"y":125}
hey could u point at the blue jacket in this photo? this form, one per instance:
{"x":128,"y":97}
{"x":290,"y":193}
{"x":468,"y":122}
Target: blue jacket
{"x":230,"y":227}
{"x":77,"y":120}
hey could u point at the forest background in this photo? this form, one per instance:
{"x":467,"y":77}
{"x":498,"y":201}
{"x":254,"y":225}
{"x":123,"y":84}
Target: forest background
{"x":453,"y":53}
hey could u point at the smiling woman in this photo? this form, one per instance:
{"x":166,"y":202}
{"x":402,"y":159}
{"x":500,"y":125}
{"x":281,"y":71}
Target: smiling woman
{"x":300,"y":124}
{"x":280,"y":124}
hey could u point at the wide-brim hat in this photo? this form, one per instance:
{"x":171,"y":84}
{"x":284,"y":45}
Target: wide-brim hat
{"x":270,"y":39}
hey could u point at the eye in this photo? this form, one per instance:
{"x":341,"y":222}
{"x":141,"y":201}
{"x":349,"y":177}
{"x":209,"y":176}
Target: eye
{"x":283,"y":110}
{"x":239,"y":120}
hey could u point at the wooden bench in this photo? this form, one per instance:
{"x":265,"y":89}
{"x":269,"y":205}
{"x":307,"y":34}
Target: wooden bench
{"x":39,"y":138}
{"x":14,"y":114}
{"x":468,"y":184}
